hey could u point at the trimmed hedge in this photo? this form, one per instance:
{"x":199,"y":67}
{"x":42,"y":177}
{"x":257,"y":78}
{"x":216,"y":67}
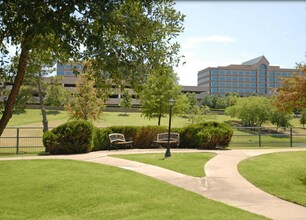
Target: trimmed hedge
{"x":81,"y":137}
{"x":70,"y":138}
{"x":209,"y":135}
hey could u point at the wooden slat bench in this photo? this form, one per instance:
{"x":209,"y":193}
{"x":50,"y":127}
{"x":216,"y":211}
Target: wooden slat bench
{"x":162,"y":139}
{"x":117,"y":139}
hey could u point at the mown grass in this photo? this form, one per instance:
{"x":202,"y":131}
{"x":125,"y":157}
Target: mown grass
{"x":191,"y":164}
{"x":63,"y":189}
{"x":241,"y":139}
{"x":280,"y":174}
{"x":32,"y":117}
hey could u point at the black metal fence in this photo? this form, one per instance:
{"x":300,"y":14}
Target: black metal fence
{"x":269,"y":137}
{"x":19,"y":140}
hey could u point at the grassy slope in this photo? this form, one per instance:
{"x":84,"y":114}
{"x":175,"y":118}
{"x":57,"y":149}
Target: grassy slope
{"x":57,"y":189}
{"x":280,"y":174}
{"x":191,"y":164}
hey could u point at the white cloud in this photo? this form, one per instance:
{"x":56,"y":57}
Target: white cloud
{"x":195,"y":41}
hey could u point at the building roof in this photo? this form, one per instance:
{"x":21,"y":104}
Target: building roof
{"x":254,"y":61}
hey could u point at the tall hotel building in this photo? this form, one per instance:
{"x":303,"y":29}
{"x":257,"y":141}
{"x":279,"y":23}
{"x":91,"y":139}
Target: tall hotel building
{"x":253,"y":76}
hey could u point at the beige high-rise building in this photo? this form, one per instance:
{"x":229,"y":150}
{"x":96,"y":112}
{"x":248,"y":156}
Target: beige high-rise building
{"x":253,"y":76}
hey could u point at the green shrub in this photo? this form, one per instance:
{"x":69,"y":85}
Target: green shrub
{"x":189,"y":137}
{"x":50,"y":141}
{"x":146,"y":135}
{"x":208,"y":135}
{"x":101,"y":140}
{"x":71,"y":137}
{"x":129,"y":132}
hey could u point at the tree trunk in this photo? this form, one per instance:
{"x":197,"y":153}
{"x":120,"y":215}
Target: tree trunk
{"x":42,"y":106}
{"x":8,"y":111}
{"x":159,"y":118}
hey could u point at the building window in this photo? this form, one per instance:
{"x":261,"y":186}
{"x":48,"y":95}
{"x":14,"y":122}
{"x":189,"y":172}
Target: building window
{"x":68,"y":72}
{"x":60,"y":66}
{"x":214,"y":72}
{"x":214,"y":90}
{"x":214,"y":78}
{"x":215,"y":84}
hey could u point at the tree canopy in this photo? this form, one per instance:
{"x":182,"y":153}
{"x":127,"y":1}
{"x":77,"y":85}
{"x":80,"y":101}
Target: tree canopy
{"x":125,"y":39}
{"x":160,"y":87}
{"x":292,"y":94}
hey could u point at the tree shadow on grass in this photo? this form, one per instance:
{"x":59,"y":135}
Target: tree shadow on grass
{"x":53,"y":112}
{"x":124,"y":115}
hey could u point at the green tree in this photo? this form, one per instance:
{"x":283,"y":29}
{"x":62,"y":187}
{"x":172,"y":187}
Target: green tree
{"x":161,"y":86}
{"x":252,"y":111}
{"x":279,"y":118}
{"x":126,"y":101}
{"x":193,"y":110}
{"x":124,"y":38}
{"x":303,"y":118}
{"x":207,"y":101}
{"x":56,"y":94}
{"x":221,"y":103}
{"x":85,"y":104}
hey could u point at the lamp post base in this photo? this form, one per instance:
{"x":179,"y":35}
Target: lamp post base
{"x":168,"y":153}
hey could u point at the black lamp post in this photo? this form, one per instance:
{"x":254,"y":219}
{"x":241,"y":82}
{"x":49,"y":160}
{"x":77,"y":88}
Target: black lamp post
{"x":168,"y":153}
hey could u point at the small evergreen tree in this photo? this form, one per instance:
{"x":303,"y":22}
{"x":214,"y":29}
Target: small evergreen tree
{"x":85,"y":104}
{"x":303,"y":118}
{"x":126,"y":101}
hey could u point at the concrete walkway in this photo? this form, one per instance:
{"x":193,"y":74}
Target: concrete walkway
{"x":222,"y":182}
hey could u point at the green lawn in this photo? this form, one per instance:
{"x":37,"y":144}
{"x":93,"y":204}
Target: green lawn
{"x":280,"y":174}
{"x":191,"y":164}
{"x":63,"y":189}
{"x":32,"y":117}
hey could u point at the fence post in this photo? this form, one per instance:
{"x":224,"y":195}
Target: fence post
{"x":290,"y":136}
{"x":17,"y":144}
{"x":259,"y":136}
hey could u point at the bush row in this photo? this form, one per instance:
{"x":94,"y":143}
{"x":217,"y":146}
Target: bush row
{"x":81,"y":136}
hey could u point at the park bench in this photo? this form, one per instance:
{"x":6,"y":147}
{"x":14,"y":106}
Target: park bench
{"x":162,"y":139}
{"x":117,"y":139}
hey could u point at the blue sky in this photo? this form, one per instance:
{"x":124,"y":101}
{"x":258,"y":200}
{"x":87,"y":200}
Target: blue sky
{"x":230,"y":32}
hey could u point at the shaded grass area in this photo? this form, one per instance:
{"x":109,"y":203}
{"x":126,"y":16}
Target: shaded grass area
{"x":63,"y":189}
{"x":280,"y":174}
{"x":191,"y":164}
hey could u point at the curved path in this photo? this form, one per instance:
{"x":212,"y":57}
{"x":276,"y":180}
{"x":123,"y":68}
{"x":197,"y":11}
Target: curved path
{"x":222,"y":182}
